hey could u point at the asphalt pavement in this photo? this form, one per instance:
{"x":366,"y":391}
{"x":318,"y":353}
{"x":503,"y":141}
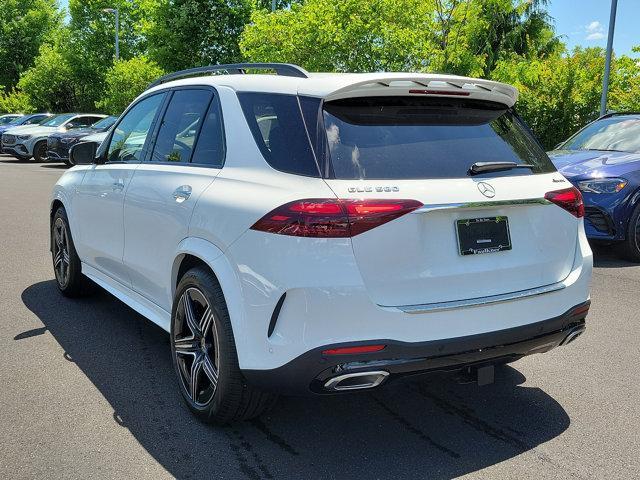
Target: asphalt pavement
{"x":87,"y":391}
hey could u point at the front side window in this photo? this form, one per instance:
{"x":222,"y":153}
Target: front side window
{"x":278,"y":128}
{"x":130,"y":135}
{"x":617,"y":133}
{"x":181,"y":125}
{"x":422,"y":138}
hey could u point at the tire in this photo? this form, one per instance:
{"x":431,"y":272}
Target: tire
{"x":68,"y":162}
{"x":631,"y":246}
{"x":201,"y":332}
{"x":40,"y":151}
{"x":66,"y":263}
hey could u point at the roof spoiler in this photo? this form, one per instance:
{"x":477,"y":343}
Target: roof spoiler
{"x":436,"y":85}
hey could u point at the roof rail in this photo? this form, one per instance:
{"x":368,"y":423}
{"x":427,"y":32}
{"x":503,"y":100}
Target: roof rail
{"x":284,"y":69}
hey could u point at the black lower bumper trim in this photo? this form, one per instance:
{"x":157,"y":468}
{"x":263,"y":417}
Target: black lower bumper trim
{"x":308,"y":373}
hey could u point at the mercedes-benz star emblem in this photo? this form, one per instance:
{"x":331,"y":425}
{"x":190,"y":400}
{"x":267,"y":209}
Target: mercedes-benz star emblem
{"x":487,"y":190}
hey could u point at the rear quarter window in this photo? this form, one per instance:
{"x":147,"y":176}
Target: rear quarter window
{"x":278,"y":128}
{"x":422,"y":138}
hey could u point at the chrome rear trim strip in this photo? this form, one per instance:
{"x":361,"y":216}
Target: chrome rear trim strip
{"x":479,"y":205}
{"x":475,"y":302}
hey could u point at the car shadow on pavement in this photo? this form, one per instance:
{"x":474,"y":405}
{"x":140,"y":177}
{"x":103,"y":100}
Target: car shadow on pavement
{"x":429,"y":427}
{"x":609,"y":256}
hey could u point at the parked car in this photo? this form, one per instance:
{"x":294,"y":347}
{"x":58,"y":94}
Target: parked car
{"x":30,"y":119}
{"x":58,"y":144}
{"x":31,"y":140}
{"x":8,"y":117}
{"x":325,"y":233}
{"x":603,"y":161}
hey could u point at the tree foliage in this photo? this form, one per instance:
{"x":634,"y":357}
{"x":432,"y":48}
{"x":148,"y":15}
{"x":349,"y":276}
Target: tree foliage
{"x":188,"y":33}
{"x":15,"y":101}
{"x":125,"y":81}
{"x":50,"y":82}
{"x":24,"y":26}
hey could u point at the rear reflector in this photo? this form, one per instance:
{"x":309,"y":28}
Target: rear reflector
{"x":332,"y":218}
{"x":354,"y":350}
{"x":582,"y":310}
{"x":570,"y":199}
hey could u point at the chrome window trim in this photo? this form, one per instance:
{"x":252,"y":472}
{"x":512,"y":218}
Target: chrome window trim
{"x":479,"y":301}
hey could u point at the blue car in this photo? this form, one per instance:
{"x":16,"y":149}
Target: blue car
{"x":603,"y":161}
{"x":30,"y":119}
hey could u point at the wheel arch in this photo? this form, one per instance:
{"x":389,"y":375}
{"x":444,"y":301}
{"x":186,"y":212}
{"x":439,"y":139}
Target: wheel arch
{"x":194,"y":252}
{"x":55,"y":204}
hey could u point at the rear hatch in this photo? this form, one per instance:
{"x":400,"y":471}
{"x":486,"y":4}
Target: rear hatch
{"x":477,"y":234}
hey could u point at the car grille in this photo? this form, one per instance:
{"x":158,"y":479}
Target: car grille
{"x":8,"y":139}
{"x":600,"y":220}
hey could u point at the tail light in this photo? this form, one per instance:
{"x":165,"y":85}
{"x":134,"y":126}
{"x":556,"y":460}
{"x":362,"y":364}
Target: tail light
{"x":332,"y":218}
{"x":570,"y":199}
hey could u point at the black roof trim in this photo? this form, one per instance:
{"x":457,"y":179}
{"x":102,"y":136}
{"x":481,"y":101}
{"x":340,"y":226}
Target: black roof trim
{"x":284,"y":69}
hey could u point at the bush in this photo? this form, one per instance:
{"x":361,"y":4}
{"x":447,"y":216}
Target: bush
{"x":125,"y":81}
{"x":49,"y":83}
{"x":15,"y":102}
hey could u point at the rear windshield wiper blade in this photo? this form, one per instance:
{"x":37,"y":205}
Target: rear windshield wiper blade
{"x":481,"y":167}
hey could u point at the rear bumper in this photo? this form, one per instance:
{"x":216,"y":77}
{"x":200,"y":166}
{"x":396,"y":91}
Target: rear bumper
{"x":311,"y":372}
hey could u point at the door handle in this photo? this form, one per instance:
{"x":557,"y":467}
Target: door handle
{"x":182,"y":193}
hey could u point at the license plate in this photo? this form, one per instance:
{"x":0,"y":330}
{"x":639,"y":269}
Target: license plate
{"x":483,"y":235}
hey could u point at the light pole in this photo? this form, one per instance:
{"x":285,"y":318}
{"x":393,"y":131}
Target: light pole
{"x":117,"y":14}
{"x":607,"y":62}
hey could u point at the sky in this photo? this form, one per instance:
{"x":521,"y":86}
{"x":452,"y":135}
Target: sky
{"x":586,"y":22}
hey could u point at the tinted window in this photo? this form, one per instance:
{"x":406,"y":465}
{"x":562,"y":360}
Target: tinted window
{"x":131,"y":133}
{"x":618,"y":133}
{"x":210,"y":144}
{"x":180,"y":126}
{"x":278,"y":129}
{"x":104,"y":123}
{"x":408,"y":137}
{"x":57,"y":120}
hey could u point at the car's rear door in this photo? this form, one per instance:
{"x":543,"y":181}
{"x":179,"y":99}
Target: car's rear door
{"x":477,"y":235}
{"x":186,"y":156}
{"x":99,"y":206}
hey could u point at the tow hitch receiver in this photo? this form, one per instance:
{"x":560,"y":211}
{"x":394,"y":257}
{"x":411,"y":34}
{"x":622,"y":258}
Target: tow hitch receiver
{"x":484,"y":375}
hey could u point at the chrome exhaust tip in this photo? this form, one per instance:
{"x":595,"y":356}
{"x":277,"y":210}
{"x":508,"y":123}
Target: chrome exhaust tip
{"x":356,"y":381}
{"x":573,"y":334}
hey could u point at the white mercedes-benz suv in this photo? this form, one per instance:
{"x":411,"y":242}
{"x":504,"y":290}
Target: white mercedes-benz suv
{"x":307,"y":233}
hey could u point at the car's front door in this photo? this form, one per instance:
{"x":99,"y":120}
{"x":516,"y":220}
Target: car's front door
{"x":185,"y":158}
{"x":99,"y":205}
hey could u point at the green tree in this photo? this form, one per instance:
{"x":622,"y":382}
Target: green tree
{"x":125,"y":81}
{"x":24,"y":26}
{"x":15,"y":101}
{"x":91,"y":43}
{"x":346,"y":35}
{"x":558,"y":95}
{"x":189,"y":33}
{"x":49,"y":84}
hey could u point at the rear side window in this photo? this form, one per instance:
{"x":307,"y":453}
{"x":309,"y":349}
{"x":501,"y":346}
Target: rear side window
{"x":180,"y":126}
{"x":278,"y":129}
{"x":210,"y":145}
{"x":421,"y":138}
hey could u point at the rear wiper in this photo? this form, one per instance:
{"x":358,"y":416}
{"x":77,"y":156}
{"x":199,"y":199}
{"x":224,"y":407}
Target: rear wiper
{"x":481,"y":167}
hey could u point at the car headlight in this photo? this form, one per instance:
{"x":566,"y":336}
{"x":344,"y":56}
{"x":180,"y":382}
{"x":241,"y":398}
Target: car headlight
{"x":24,"y":137}
{"x":68,"y":140}
{"x":602,"y":185}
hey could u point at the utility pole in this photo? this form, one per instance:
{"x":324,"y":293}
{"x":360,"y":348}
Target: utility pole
{"x":607,"y":63}
{"x":117,"y":14}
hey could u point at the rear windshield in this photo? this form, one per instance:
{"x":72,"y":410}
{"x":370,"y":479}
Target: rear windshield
{"x":415,"y":138}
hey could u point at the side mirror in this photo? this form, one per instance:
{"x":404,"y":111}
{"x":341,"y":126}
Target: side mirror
{"x":83,"y":153}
